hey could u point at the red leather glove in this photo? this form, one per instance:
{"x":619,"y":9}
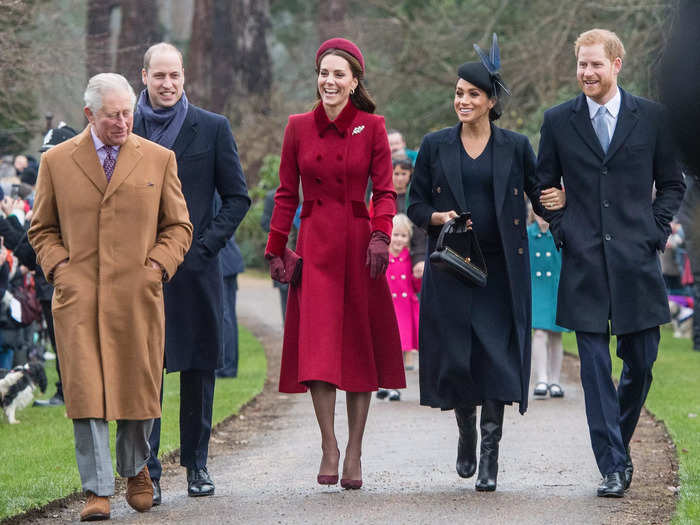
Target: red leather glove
{"x":277,"y":269}
{"x":378,"y":254}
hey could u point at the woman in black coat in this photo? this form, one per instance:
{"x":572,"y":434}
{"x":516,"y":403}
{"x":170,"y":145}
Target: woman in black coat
{"x":474,"y":343}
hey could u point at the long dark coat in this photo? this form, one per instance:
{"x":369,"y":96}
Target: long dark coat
{"x":207,"y":161}
{"x":611,"y":228}
{"x":340,"y":325}
{"x":446,"y":302}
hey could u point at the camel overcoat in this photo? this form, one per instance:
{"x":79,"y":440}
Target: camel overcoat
{"x":108,"y":301}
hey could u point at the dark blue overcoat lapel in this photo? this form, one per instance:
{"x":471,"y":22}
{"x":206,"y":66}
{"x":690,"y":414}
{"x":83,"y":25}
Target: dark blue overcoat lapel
{"x":581,"y":121}
{"x":503,"y":149}
{"x":627,"y":119}
{"x":449,"y":154}
{"x":187,"y":133}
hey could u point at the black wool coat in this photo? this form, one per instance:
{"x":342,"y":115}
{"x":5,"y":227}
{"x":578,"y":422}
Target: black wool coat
{"x":612,"y":228}
{"x":207,"y":162}
{"x":445,"y":302}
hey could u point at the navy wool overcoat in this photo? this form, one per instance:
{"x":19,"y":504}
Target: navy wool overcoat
{"x":446,"y":304}
{"x":207,"y":162}
{"x":613,"y":226}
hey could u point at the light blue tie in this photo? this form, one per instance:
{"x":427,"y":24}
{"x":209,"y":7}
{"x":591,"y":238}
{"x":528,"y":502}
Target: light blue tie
{"x":601,"y":128}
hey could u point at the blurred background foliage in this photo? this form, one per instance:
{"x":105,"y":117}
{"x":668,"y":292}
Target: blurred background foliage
{"x":253,"y":60}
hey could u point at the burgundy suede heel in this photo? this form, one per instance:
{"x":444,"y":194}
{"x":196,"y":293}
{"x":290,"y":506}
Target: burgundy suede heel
{"x":351,"y":484}
{"x":327,"y":480}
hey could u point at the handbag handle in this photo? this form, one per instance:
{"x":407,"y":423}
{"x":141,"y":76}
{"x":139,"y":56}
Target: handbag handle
{"x":450,"y":226}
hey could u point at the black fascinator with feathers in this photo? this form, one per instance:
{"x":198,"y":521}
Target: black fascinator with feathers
{"x":485,"y":75}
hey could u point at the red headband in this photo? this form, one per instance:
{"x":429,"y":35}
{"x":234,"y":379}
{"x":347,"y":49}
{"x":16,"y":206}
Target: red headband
{"x":344,"y":45}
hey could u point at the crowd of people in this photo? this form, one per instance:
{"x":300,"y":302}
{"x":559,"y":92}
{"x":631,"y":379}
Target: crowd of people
{"x":131,"y":233}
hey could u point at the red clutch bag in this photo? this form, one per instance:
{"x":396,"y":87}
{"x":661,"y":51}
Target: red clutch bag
{"x":292,"y":266}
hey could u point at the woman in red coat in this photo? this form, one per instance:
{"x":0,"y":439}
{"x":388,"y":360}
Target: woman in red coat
{"x":340,"y":329}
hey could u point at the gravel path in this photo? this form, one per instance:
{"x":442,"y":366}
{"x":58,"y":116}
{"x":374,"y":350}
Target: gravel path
{"x":264,"y":463}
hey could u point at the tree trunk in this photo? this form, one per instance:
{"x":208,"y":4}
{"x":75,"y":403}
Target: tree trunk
{"x":197,"y":70}
{"x":332,"y":19}
{"x":229,"y":68}
{"x":140,"y":29}
{"x":97,"y":36}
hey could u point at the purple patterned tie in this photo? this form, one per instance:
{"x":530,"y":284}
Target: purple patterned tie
{"x":109,"y":162}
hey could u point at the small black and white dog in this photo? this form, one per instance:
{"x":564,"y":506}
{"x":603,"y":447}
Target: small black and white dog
{"x":17,"y":387}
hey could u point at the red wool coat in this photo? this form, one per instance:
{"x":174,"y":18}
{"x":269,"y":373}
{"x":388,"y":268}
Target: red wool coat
{"x":340,"y":325}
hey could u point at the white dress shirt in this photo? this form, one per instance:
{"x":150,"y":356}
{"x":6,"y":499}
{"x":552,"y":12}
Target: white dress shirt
{"x":613,"y":109}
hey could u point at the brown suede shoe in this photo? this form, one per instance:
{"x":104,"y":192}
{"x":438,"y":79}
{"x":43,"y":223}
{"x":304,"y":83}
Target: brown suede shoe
{"x":96,"y":508}
{"x":139,"y":491}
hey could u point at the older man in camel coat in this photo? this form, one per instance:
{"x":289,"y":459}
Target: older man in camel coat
{"x":110,"y":226}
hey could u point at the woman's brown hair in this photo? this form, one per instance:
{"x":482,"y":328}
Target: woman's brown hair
{"x":361,"y":98}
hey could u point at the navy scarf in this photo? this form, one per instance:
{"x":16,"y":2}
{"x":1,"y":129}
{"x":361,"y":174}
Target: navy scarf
{"x":162,"y":125}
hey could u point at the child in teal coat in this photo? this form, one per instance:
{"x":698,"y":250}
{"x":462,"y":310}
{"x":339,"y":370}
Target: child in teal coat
{"x":547,"y":349}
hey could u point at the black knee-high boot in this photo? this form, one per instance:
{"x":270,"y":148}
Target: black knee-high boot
{"x":466,"y":448}
{"x":491,"y":432}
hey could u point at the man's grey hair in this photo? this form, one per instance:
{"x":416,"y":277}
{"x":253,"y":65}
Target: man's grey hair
{"x":103,"y":83}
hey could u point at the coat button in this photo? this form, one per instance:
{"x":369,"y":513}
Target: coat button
{"x":538,"y":274}
{"x":393,"y":295}
{"x":340,"y":157}
{"x":604,"y":171}
{"x":393,"y":276}
{"x":339,"y":180}
{"x":537,"y":254}
{"x":548,"y":254}
{"x":608,"y":236}
{"x":515,"y":191}
{"x":319,"y":157}
{"x":438,"y":189}
{"x":403,"y":276}
{"x":549,"y":274}
{"x":606,"y":203}
{"x":520,"y":251}
{"x":404,"y":294}
{"x":318,"y":180}
{"x":319,"y":202}
{"x":516,"y":221}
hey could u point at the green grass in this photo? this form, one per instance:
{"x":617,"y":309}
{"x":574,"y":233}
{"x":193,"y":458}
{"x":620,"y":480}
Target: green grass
{"x":674,"y":398}
{"x":37,"y":458}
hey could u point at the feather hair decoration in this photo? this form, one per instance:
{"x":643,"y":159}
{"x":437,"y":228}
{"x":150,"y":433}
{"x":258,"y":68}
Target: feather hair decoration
{"x":492,"y":62}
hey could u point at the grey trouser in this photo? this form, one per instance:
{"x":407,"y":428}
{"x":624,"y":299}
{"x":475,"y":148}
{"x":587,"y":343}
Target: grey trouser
{"x":93,"y":455}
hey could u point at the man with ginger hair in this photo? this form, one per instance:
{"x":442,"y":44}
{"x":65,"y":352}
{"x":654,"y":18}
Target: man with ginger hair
{"x":610,"y":149}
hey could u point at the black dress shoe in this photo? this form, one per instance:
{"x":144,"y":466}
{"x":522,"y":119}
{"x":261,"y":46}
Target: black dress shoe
{"x":56,"y":400}
{"x":613,"y":486}
{"x":629,"y":470}
{"x":199,"y":483}
{"x":156,"y":491}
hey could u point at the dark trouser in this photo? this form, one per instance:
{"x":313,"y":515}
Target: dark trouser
{"x":613,"y":415}
{"x":48,"y":315}
{"x":196,"y":402}
{"x":230,"y":368}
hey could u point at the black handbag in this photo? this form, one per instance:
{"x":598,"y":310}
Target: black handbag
{"x":458,"y":252}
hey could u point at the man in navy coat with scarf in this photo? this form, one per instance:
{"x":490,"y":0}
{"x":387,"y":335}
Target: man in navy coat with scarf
{"x":207,"y":163}
{"x":611,"y":149}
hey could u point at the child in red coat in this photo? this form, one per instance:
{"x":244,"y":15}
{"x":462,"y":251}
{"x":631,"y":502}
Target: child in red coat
{"x":404,"y":288}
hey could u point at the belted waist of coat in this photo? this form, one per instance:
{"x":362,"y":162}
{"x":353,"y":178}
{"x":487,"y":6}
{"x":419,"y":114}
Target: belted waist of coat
{"x":359,"y":209}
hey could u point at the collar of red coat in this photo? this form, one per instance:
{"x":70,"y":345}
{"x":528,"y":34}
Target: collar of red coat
{"x":341,"y":123}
